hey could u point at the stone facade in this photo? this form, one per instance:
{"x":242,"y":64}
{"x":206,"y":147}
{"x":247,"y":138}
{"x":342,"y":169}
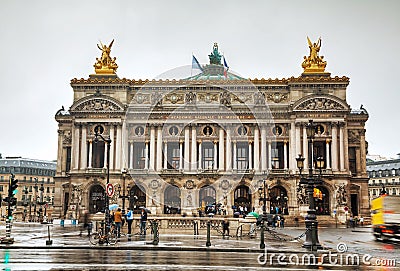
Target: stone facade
{"x":210,"y":138}
{"x":384,"y":175}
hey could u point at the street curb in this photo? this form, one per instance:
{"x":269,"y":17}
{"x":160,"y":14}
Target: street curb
{"x":161,"y":248}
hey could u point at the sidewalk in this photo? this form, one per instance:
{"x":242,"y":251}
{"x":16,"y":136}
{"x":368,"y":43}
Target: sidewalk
{"x":34,"y":235}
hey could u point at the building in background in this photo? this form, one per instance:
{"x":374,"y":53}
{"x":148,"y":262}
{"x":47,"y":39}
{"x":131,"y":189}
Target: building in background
{"x":35,"y":196}
{"x":384,"y":177}
{"x":180,"y":145}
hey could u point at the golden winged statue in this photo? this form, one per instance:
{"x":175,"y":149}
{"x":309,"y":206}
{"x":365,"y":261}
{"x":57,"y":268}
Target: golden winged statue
{"x":314,"y":63}
{"x":106,"y":64}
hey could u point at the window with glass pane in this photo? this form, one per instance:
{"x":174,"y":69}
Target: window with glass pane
{"x":208,"y":155}
{"x":139,"y":155}
{"x":277,"y":155}
{"x":352,"y":161}
{"x":173,"y":155}
{"x":242,"y":155}
{"x":98,"y":154}
{"x":319,"y":151}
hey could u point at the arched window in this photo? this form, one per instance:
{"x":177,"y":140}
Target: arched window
{"x":278,"y":200}
{"x":172,"y":200}
{"x":322,"y":201}
{"x":137,"y":198}
{"x":96,"y":199}
{"x":207,"y":196}
{"x":242,"y":198}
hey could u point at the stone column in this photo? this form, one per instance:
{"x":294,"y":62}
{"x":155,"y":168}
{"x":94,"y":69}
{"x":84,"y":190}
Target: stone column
{"x":165,"y":155}
{"x":118,"y":148}
{"x":75,"y":148}
{"x":363,"y":153}
{"x":234,"y":155}
{"x":256,"y":149}
{"x":124,"y":146}
{"x":60,"y":159}
{"x":292,"y":147}
{"x":111,"y":149}
{"x":131,"y":155}
{"x":180,"y":155}
{"x":83,"y":149}
{"x":228,"y":150}
{"x":263,"y":149}
{"x":200,"y":166}
{"x":159,"y":149}
{"x":250,"y":155}
{"x":146,"y":154}
{"x":305,"y":147}
{"x":334,"y":149}
{"x":269,"y":160}
{"x":187,"y":149}
{"x":215,"y":155}
{"x":221,"y":150}
{"x":297,"y":142}
{"x":90,"y":153}
{"x":328,"y":157}
{"x":193,"y":162}
{"x":341,"y":147}
{"x":285,"y":164}
{"x":152,"y":147}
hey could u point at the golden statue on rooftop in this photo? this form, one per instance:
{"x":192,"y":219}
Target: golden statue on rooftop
{"x":314,"y":63}
{"x":106,"y":64}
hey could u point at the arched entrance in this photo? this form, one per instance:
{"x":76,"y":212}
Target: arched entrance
{"x":278,"y":200}
{"x":207,"y":201}
{"x":96,"y":199}
{"x":137,"y":198}
{"x":321,"y":197}
{"x":172,"y":200}
{"x":242,"y":200}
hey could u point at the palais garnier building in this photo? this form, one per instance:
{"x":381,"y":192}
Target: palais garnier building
{"x":176,"y":146}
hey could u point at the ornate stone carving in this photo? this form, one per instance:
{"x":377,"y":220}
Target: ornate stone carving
{"x":302,"y":197}
{"x":341,"y":197}
{"x":225,"y":184}
{"x":142,"y":98}
{"x":67,"y":137}
{"x":98,"y":104}
{"x":314,"y":63}
{"x":174,"y":98}
{"x":106,"y":64}
{"x":225,"y":98}
{"x":154,"y":184}
{"x":208,"y":97}
{"x":242,"y":97}
{"x":189,"y":184}
{"x":156,"y":99}
{"x":277,"y":97}
{"x":259,"y":98}
{"x":354,"y":136}
{"x":320,"y":104}
{"x":190,"y":98}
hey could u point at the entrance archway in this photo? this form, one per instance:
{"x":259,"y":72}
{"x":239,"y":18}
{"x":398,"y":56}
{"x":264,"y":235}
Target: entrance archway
{"x":207,"y":199}
{"x":137,"y":198}
{"x":242,"y":200}
{"x":322,"y":201}
{"x":172,"y":200}
{"x":96,"y":199}
{"x":278,"y":200}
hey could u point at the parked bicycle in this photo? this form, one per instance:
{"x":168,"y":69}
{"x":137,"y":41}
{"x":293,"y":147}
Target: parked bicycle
{"x":101,"y":237}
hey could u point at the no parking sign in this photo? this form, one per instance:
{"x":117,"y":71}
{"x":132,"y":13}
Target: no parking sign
{"x":110,"y":190}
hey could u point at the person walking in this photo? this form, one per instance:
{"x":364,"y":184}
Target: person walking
{"x":129,"y":220}
{"x":225,"y":227}
{"x":118,"y":221}
{"x":86,"y":223}
{"x":143,"y":220}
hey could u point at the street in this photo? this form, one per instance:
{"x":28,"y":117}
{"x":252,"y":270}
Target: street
{"x":184,"y":252}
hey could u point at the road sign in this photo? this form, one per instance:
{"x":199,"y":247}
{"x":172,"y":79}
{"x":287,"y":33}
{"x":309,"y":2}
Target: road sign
{"x":110,"y":190}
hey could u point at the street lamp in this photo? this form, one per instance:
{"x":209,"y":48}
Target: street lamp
{"x":310,"y":182}
{"x":35,"y":199}
{"x":123,"y":196}
{"x":25,"y":203}
{"x":97,"y":133}
{"x":41,"y":202}
{"x":262,"y":192}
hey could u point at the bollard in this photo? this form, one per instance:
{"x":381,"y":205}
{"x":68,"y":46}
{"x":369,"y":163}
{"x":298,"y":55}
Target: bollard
{"x":49,"y":242}
{"x":155,"y":232}
{"x":262,"y":243}
{"x":208,"y":243}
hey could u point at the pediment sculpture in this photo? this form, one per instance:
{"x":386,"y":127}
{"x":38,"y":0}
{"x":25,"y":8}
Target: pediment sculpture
{"x":320,"y":104}
{"x":98,"y":105}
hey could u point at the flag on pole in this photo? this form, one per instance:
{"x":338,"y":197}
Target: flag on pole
{"x":196,"y":64}
{"x":226,"y":68}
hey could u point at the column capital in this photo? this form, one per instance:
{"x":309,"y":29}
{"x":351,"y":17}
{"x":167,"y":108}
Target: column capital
{"x":328,"y":141}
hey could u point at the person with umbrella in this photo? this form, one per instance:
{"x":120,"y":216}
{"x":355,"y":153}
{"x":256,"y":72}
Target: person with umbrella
{"x":143,"y":220}
{"x":118,"y":221}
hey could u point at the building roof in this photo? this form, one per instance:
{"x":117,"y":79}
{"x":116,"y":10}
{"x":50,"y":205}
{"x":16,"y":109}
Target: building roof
{"x":383,"y":165}
{"x":27,"y":163}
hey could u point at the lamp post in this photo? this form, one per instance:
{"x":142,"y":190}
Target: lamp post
{"x":262,"y":192}
{"x":41,"y":202}
{"x":97,"y":133}
{"x":35,"y":199}
{"x":310,"y":182}
{"x":123,"y":196}
{"x":25,"y":203}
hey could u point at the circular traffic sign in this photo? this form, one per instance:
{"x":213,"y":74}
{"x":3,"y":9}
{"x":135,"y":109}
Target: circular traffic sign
{"x":110,"y":190}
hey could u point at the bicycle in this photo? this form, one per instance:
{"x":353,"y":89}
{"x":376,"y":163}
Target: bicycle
{"x":100,"y":237}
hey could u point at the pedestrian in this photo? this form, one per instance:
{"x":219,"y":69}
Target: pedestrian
{"x":143,"y":220}
{"x":86,"y":223}
{"x":118,"y":221}
{"x":296,"y":221}
{"x":129,"y":220}
{"x":225,"y":227}
{"x":361,"y":221}
{"x":282,"y":222}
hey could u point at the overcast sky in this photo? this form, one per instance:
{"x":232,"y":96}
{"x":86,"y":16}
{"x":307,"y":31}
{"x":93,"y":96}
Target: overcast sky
{"x":45,"y":44}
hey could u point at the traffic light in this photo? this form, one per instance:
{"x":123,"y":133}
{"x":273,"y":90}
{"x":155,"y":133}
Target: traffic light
{"x":13,"y":186}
